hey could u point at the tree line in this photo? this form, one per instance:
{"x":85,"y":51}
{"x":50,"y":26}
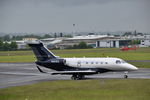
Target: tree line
{"x":5,"y":46}
{"x":135,"y":42}
{"x":20,"y":37}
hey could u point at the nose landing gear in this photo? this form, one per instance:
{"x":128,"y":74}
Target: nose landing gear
{"x":125,"y":75}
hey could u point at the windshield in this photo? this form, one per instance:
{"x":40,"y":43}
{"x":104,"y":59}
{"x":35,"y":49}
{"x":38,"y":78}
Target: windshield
{"x":123,"y":61}
{"x":120,"y":61}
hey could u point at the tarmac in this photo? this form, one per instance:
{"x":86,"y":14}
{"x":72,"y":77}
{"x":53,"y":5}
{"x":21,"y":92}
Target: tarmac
{"x":17,"y":74}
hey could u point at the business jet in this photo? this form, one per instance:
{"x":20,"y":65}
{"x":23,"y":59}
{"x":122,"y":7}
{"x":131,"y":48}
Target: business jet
{"x":77,"y":67}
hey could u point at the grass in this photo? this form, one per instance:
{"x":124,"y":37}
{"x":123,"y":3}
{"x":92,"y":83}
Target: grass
{"x":28,"y":56}
{"x":104,"y":89}
{"x":141,"y":64}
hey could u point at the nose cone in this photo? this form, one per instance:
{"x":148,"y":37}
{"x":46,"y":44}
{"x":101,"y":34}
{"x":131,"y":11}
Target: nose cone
{"x":132,"y":68}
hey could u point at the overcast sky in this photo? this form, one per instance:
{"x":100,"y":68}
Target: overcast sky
{"x":87,"y":15}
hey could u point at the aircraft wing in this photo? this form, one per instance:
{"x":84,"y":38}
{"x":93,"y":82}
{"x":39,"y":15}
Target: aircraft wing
{"x":75,"y":72}
{"x":69,"y":72}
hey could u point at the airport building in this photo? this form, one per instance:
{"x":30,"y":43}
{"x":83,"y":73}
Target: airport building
{"x":96,"y":41}
{"x":63,"y":42}
{"x":89,"y":39}
{"x":145,"y":43}
{"x":22,"y":44}
{"x":112,"y":43}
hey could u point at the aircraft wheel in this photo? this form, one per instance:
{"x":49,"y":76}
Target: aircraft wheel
{"x":77,"y":77}
{"x":74,"y":77}
{"x":125,"y":76}
{"x":81,"y":76}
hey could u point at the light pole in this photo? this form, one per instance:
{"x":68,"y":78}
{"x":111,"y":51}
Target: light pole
{"x":73,"y":29}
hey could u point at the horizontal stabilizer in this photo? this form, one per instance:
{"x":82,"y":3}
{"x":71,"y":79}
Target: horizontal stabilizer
{"x":40,"y":69}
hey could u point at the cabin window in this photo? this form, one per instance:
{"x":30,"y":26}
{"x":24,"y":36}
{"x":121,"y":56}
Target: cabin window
{"x":118,"y":62}
{"x":79,"y":62}
{"x":91,"y":62}
{"x":106,"y":62}
{"x":86,"y":62}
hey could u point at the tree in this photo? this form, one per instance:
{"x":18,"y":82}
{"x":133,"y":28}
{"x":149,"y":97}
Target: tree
{"x":82,"y":45}
{"x":13,"y":46}
{"x":69,"y":36}
{"x":47,"y":36}
{"x":6,"y":38}
{"x":1,"y":45}
{"x":134,"y":42}
{"x":6,"y":47}
{"x":127,"y":33}
{"x":75,"y":46}
{"x":140,"y":34}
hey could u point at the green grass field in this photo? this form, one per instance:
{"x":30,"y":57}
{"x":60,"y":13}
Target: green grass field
{"x":28,"y":56}
{"x":102,"y":89}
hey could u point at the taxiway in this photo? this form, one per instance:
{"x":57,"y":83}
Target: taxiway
{"x":16,"y":74}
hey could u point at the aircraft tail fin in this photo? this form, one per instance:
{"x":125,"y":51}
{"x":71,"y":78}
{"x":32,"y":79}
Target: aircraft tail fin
{"x":41,"y":52}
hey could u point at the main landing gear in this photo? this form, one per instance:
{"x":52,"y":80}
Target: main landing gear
{"x":77,"y":77}
{"x":125,"y":75}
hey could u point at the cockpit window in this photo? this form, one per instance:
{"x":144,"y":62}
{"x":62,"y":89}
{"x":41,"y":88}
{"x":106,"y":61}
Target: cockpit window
{"x":118,"y":62}
{"x":123,"y":61}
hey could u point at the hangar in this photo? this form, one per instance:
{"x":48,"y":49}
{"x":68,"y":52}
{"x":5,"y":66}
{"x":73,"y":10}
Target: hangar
{"x":89,"y":39}
{"x":112,"y":43}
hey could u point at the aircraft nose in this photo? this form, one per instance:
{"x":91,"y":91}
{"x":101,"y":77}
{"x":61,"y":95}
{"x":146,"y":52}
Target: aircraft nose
{"x":133,"y":68}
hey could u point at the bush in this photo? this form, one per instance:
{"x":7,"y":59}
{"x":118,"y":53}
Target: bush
{"x":7,"y":47}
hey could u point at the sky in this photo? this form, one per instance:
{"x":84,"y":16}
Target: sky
{"x":86,"y":15}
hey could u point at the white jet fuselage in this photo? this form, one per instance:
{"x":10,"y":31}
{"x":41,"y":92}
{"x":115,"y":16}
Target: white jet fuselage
{"x":114,"y":64}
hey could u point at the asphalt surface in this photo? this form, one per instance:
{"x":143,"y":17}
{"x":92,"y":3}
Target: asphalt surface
{"x":16,"y":74}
